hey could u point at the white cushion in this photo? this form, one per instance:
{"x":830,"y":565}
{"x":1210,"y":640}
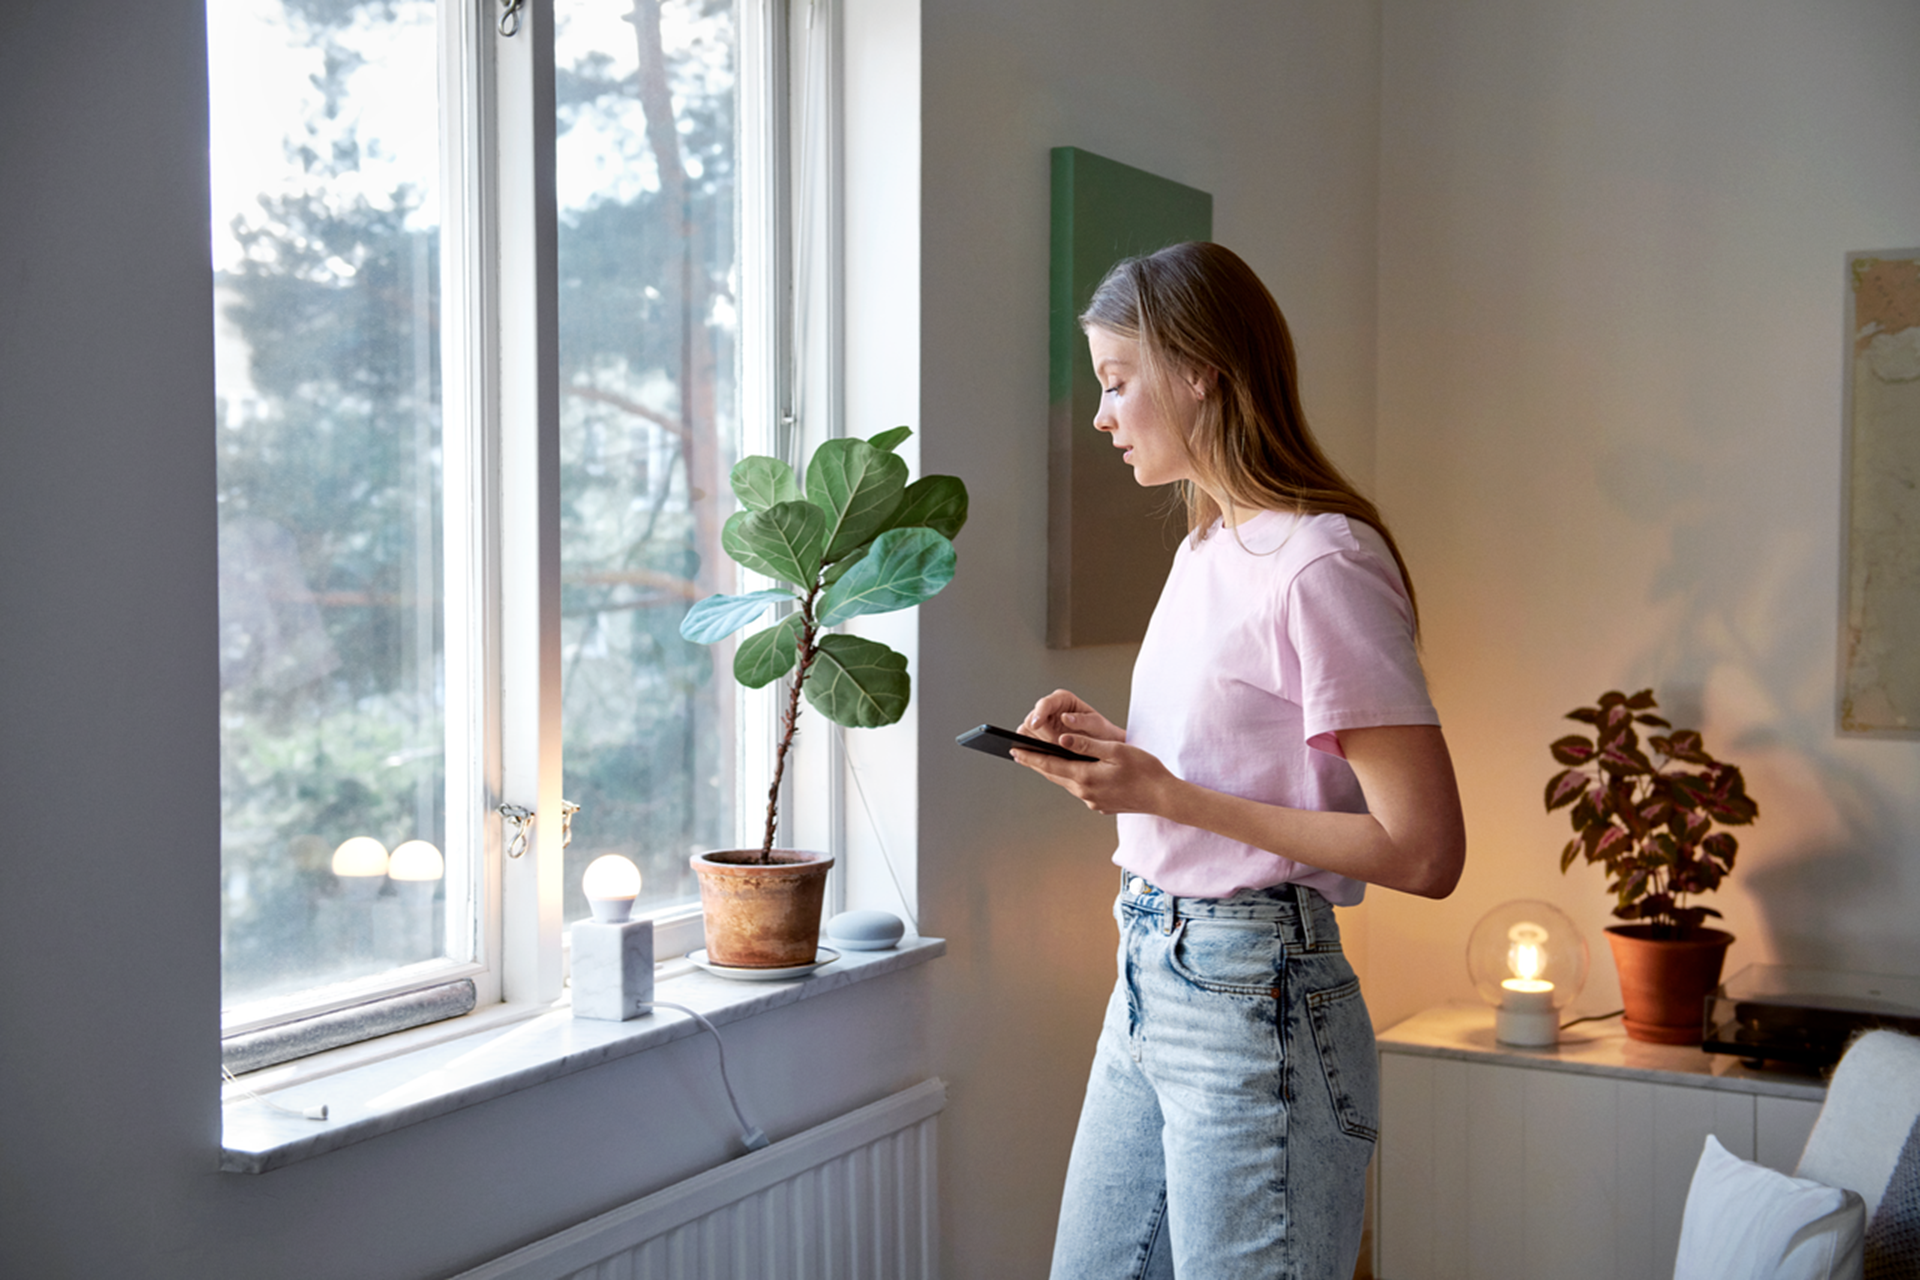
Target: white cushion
{"x":1871,"y":1104}
{"x":1744,"y":1221}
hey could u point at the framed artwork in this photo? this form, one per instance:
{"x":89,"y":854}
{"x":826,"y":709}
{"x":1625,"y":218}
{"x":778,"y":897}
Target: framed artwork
{"x":1109,"y":541}
{"x":1880,"y":624}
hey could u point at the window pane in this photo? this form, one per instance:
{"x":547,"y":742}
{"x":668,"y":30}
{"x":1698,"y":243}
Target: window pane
{"x":325,"y":176}
{"x":649,"y":393}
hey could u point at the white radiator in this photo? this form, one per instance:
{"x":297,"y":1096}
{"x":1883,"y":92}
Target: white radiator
{"x":854,"y":1199}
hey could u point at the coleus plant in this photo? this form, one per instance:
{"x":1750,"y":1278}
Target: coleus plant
{"x":1651,"y":824}
{"x":858,"y":539}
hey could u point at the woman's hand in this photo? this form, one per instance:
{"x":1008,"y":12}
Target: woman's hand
{"x":1121,"y":779}
{"x":1064,"y":712}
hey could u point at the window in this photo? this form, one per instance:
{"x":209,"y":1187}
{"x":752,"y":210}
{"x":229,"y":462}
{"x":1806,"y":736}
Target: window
{"x":649,"y":416}
{"x":485,"y":353}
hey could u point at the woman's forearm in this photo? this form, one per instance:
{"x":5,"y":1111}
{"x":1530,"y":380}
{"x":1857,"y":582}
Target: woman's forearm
{"x":1413,"y":839}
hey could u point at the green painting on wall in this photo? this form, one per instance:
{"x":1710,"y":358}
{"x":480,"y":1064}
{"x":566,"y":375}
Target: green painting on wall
{"x":1109,"y":541}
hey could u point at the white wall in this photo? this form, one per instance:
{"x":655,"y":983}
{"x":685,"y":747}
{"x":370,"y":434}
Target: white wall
{"x":1611,"y":292}
{"x":109,"y":772}
{"x":1273,"y":109}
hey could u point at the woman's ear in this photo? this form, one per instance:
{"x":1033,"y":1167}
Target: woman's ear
{"x":1201,"y":381}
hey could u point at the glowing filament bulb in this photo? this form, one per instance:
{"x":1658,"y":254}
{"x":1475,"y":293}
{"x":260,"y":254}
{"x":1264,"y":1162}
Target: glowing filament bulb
{"x":1527,"y":958}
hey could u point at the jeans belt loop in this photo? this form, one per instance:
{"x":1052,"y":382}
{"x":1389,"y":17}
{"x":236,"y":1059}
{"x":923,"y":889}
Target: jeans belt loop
{"x":1173,"y":913}
{"x":1304,"y":909}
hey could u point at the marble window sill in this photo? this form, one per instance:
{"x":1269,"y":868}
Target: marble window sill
{"x":494,"y":1053}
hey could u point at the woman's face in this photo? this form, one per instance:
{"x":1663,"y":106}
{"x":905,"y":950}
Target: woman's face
{"x":1152,"y":428}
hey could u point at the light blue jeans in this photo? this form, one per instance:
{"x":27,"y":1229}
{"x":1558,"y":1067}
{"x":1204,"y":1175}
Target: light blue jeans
{"x":1234,"y":1099}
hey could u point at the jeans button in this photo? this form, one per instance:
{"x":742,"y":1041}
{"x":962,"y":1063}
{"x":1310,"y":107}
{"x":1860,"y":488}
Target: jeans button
{"x":1137,"y":886}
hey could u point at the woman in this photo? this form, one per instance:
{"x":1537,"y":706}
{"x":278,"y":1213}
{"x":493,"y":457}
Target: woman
{"x":1281,"y":754}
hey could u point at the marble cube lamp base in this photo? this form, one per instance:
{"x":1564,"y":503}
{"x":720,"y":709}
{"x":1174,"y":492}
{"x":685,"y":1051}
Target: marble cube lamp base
{"x":612,"y":969}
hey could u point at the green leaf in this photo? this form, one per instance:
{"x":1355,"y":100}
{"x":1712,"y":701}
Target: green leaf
{"x":858,"y":486}
{"x":839,"y":568}
{"x":718,"y":617}
{"x":889,"y":440}
{"x":903,"y":568}
{"x":934,"y":502}
{"x":765,"y":656}
{"x":761,"y":482}
{"x":783,"y":542}
{"x":858,"y":682}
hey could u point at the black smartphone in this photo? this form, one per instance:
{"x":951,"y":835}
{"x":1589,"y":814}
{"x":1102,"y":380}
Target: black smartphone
{"x":994,"y":740}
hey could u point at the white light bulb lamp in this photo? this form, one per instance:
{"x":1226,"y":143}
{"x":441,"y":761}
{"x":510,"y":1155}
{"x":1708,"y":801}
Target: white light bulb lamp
{"x":1529,"y":961}
{"x":360,"y":864}
{"x":612,"y":954}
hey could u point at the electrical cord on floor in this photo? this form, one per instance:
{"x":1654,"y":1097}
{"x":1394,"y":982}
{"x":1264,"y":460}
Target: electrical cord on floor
{"x":1597,"y":1017}
{"x":751,"y":1134}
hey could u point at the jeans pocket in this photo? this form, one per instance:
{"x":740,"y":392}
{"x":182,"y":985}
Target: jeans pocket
{"x":1343,"y":1033}
{"x":1242,"y":958}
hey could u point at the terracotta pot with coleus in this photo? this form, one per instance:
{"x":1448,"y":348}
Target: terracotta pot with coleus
{"x":1653,"y":815}
{"x":849,"y":537}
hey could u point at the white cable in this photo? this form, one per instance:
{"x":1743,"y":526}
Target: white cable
{"x":750,"y":1133}
{"x":305,"y":1113}
{"x":879,"y":836}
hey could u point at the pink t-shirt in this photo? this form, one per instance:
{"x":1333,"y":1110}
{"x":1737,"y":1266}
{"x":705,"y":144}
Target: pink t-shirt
{"x":1268,"y":640}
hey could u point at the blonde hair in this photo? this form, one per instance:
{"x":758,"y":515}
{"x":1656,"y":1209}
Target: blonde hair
{"x":1199,"y":309}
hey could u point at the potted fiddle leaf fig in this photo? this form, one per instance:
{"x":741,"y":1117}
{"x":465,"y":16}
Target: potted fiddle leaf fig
{"x":851,"y":538}
{"x":1652,"y":816}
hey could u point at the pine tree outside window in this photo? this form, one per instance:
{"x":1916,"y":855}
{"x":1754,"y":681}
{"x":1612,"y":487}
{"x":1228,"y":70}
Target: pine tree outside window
{"x":491,"y":310}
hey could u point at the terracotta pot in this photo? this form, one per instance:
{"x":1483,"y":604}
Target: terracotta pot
{"x":762,"y":916}
{"x":1665,"y":982}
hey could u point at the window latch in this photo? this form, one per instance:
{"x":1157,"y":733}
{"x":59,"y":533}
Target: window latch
{"x":519,"y":824}
{"x":510,"y":17}
{"x":519,"y":820}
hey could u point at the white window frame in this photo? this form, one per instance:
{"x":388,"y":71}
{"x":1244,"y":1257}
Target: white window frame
{"x":501,"y":452}
{"x":524,"y":535}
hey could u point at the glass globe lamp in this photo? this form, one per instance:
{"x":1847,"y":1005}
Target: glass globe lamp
{"x":1529,"y":961}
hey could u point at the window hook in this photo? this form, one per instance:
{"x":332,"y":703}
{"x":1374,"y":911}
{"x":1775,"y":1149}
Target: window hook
{"x":519,"y":821}
{"x":567,"y":809}
{"x":510,"y":17}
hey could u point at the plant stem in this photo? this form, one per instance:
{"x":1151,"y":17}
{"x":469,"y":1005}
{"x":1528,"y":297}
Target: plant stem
{"x":809,"y":649}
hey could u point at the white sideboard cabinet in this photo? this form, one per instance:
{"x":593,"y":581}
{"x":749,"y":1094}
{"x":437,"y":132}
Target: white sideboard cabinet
{"x":1569,"y":1163}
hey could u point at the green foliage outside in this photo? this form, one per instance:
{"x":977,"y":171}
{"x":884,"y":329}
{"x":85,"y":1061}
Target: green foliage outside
{"x":329,"y":484}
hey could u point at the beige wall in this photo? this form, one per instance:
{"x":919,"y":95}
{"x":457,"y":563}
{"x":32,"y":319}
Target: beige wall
{"x":1610,"y":327}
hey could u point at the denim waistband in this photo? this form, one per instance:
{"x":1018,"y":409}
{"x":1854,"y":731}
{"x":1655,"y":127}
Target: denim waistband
{"x":1299,"y":911}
